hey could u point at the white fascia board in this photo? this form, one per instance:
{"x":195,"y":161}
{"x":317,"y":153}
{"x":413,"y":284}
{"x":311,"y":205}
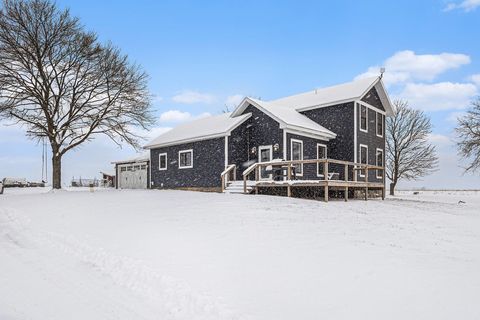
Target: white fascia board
{"x":369,"y":106}
{"x":333,"y":103}
{"x":309,"y":134}
{"x":195,"y":139}
{"x":384,"y":97}
{"x":241,"y":107}
{"x":235,"y":125}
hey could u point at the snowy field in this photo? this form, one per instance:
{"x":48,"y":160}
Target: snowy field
{"x":186,"y":255}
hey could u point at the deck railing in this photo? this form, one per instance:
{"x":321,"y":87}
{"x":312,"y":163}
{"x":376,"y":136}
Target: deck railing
{"x":230,"y":170}
{"x":352,"y":172}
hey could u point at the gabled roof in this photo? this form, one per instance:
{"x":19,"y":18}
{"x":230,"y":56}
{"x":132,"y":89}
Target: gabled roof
{"x":288,"y":118}
{"x":139,"y":158}
{"x":328,"y":96}
{"x":201,"y":129}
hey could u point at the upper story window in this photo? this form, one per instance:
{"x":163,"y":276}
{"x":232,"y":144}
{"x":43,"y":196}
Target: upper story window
{"x":185,"y":159}
{"x":379,"y":124}
{"x":162,"y":161}
{"x":297,"y":154}
{"x":363,"y":114}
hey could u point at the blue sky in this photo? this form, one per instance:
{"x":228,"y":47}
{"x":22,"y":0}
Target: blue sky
{"x":203,"y":55}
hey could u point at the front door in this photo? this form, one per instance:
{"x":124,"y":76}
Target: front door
{"x":265,"y":154}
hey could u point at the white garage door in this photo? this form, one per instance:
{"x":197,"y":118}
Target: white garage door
{"x":133,"y":176}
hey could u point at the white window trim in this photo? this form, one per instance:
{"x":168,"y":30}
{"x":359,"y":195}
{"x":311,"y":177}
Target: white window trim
{"x":360,"y":158}
{"x":376,"y":161}
{"x":166,"y":161}
{"x":301,"y":154}
{"x":269,"y":148}
{"x":376,"y":124}
{"x":320,"y":174}
{"x":360,"y":117}
{"x":185,"y":151}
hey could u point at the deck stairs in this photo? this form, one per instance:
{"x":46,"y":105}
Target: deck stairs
{"x":237,"y":186}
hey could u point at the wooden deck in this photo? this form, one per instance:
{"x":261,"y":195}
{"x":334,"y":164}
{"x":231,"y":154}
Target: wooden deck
{"x":351,"y":179}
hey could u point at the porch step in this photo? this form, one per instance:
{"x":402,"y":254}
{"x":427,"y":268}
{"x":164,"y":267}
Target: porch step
{"x":237,"y":187}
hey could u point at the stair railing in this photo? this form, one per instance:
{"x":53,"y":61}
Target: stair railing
{"x":226,"y":175}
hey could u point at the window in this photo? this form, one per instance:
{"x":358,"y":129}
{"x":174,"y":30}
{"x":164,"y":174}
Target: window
{"x":185,"y":159}
{"x":162,"y":161}
{"x":321,"y":154}
{"x":379,"y":163}
{"x":363,"y":157}
{"x":379,"y":124}
{"x":123,"y":169}
{"x":296,"y":147}
{"x":129,"y":168}
{"x":363,"y":118}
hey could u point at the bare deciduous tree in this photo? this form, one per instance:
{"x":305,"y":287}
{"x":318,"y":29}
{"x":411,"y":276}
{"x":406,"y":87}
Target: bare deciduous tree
{"x":62,"y":84}
{"x":409,"y":154}
{"x":468,"y":133}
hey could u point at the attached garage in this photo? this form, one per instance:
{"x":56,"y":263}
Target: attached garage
{"x":133,"y":173}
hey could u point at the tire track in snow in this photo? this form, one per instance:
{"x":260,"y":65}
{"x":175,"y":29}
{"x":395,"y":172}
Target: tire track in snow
{"x":173,"y":299}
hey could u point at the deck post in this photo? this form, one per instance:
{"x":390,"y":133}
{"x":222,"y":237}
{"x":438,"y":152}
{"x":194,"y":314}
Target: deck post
{"x":325,"y":175}
{"x":235,"y":173}
{"x":346,"y":193}
{"x":244,"y":184}
{"x":366,"y":183}
{"x":289,"y":176}
{"x":346,"y":173}
{"x":223,"y":183}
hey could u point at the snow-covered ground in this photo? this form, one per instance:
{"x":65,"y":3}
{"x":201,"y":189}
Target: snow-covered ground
{"x":190,"y":255}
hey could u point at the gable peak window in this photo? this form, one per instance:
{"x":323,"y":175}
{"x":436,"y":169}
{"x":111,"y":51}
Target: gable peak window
{"x":363,"y":117}
{"x":185,"y":159}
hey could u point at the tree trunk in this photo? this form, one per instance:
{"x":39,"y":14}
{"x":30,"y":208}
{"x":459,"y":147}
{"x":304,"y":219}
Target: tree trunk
{"x":392,"y":188}
{"x":57,"y":172}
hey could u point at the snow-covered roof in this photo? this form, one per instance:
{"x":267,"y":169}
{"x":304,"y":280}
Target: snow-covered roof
{"x":201,"y":129}
{"x":286,"y":111}
{"x":289,"y":118}
{"x":145,"y":156}
{"x":328,"y":96}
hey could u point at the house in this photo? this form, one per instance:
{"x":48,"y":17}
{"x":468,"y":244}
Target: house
{"x":302,"y":132}
{"x":133,"y":173}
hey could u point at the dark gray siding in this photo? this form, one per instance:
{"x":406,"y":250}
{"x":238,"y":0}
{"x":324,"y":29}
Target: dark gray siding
{"x":373,"y":99}
{"x":340,"y":120}
{"x":371,"y":139}
{"x":258,"y":130}
{"x":309,"y":152}
{"x":208,"y":164}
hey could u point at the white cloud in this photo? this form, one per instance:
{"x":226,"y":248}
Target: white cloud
{"x":466,"y":5}
{"x":157,"y":99}
{"x":177,"y":116}
{"x":405,"y":66}
{"x":476,"y":79}
{"x":453,"y":117}
{"x":233,"y":101}
{"x":155,"y":132}
{"x":191,"y":97}
{"x":438,"y":96}
{"x":440,"y":140}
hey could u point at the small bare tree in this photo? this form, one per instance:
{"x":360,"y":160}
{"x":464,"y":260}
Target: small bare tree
{"x":409,"y":154}
{"x":468,"y":133}
{"x":62,"y":84}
